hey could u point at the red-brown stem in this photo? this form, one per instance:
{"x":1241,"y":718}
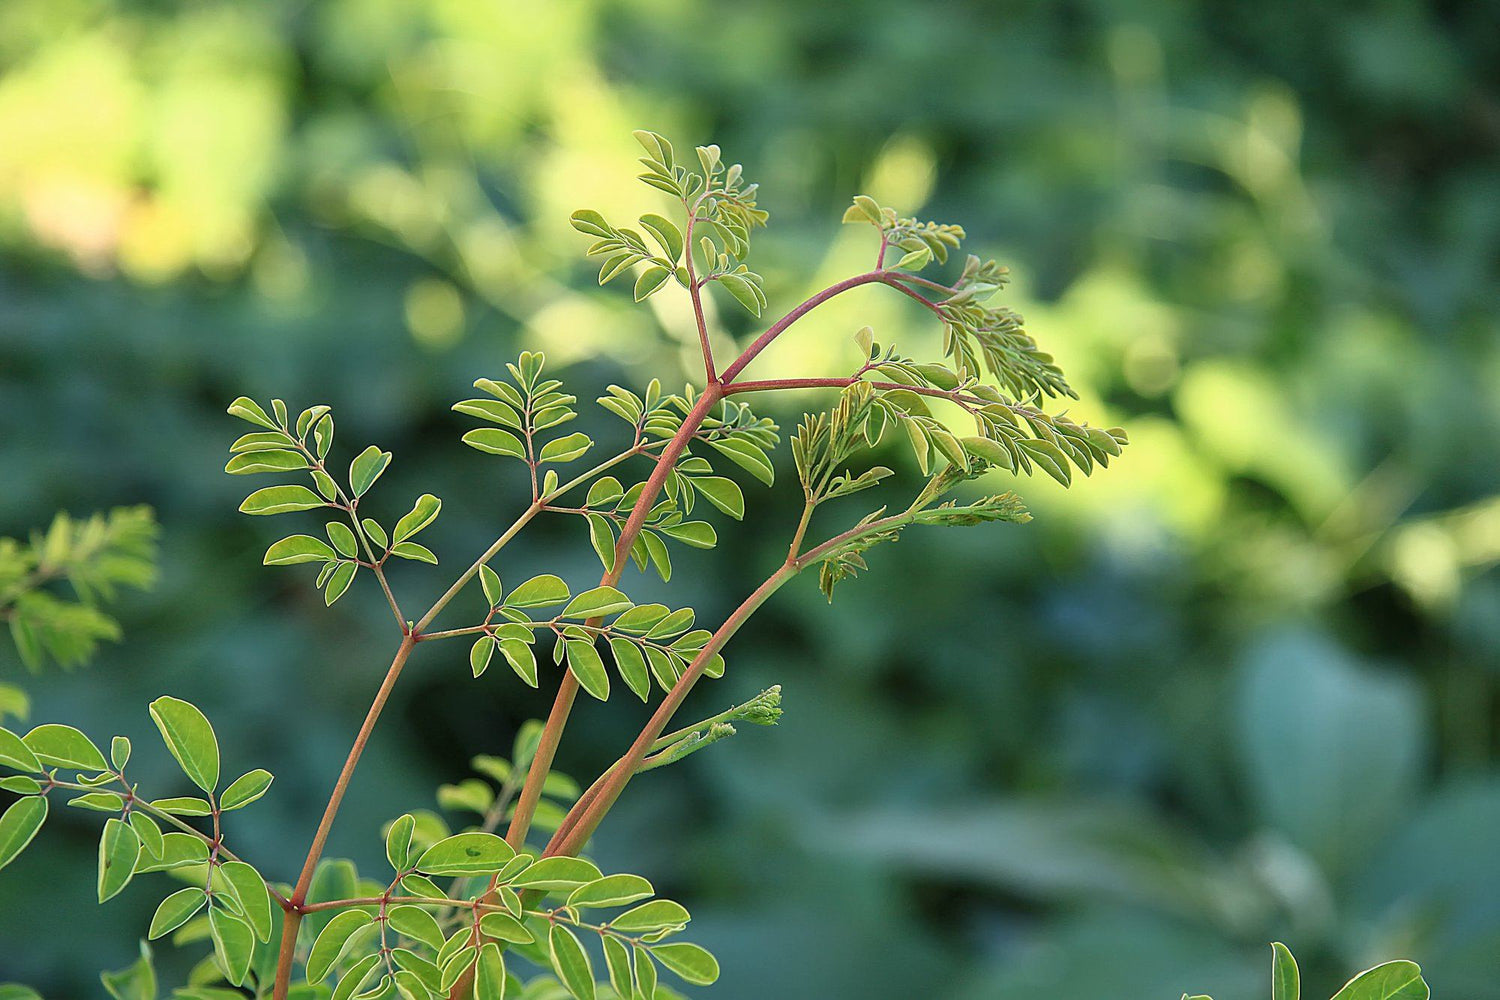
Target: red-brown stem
{"x":567,"y":690}
{"x":586,"y":813}
{"x":291,"y":922}
{"x":696,"y":293}
{"x":581,"y":822}
{"x":951,"y":396}
{"x":895,"y":279}
{"x":299,"y":894}
{"x":775,"y":330}
{"x":662,"y":743}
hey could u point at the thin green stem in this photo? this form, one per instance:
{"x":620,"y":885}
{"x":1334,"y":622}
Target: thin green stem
{"x":531,"y":511}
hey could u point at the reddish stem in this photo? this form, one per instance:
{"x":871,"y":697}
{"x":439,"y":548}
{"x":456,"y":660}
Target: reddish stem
{"x":779,"y":327}
{"x":293,"y":917}
{"x":580,"y":823}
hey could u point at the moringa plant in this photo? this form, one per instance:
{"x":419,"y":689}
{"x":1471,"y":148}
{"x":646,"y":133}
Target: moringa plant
{"x":525,"y":914}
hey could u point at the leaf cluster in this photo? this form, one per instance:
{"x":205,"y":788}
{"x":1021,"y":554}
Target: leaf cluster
{"x":95,"y":557}
{"x":1011,"y":436}
{"x":721,"y":213}
{"x":227,"y":901}
{"x":302,"y":446}
{"x":645,"y":641}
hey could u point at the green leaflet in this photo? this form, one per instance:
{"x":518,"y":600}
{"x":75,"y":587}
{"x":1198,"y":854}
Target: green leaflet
{"x":249,"y":888}
{"x":617,"y":960}
{"x":298,"y":549}
{"x":494,"y":441}
{"x":15,"y":753}
{"x":416,"y":923}
{"x":571,"y":962}
{"x":612,"y":890}
{"x":422,"y":514}
{"x":151,"y":836}
{"x":747,"y":457}
{"x":650,"y":279}
{"x":245,"y":789}
{"x":1400,"y":980}
{"x":565,"y":449}
{"x":489,"y":974}
{"x":64,"y":746}
{"x":689,"y":961}
{"x":398,"y":842}
{"x":178,"y":850}
{"x":480,"y":653}
{"x":354,"y":979}
{"x":557,"y":873}
{"x":539,"y":591}
{"x":281,"y":500}
{"x":504,"y":927}
{"x":252,"y":462}
{"x":119,"y":752}
{"x":631,"y":663}
{"x":586,"y":664}
{"x":176,"y":910}
{"x":597,"y":603}
{"x":1286,"y":982}
{"x":465,"y":854}
{"x":19,"y":824}
{"x":653,"y":916}
{"x":521,"y":659}
{"x":190,"y":738}
{"x":645,"y":972}
{"x":136,"y":981}
{"x":723,"y":493}
{"x":366,"y":468}
{"x":234,"y":943}
{"x":119,"y":850}
{"x":342,"y":537}
{"x":331,"y":942}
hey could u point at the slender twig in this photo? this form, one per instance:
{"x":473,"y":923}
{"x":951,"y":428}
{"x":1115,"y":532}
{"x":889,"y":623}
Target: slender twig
{"x":776,"y":329}
{"x":579,"y":825}
{"x":293,"y":917}
{"x":350,"y":506}
{"x":135,"y":802}
{"x":917,"y":279}
{"x":567,"y":689}
{"x":963,"y":399}
{"x":894,"y":279}
{"x":695,"y":291}
{"x":531,"y":511}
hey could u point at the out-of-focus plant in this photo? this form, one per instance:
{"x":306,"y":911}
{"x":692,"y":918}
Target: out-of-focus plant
{"x":94,"y":558}
{"x":509,"y":896}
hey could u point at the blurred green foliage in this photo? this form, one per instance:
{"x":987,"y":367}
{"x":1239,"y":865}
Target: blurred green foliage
{"x":1241,"y":688}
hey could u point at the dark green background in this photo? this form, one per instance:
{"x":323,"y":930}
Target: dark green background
{"x":1242,"y":686}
